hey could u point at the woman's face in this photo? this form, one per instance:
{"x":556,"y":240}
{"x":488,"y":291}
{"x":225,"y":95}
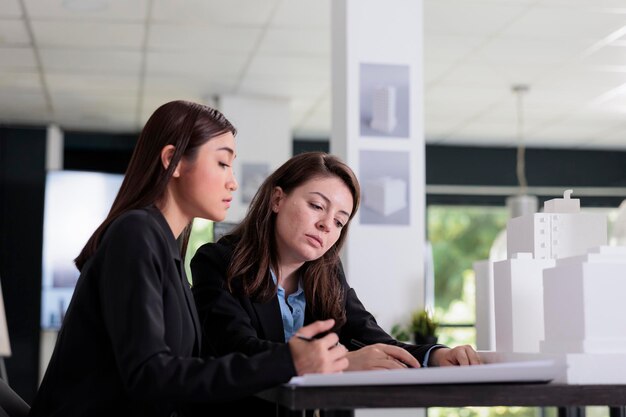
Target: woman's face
{"x":207,"y":182}
{"x":309,"y":219}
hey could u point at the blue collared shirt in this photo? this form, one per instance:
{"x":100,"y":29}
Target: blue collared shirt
{"x":427,"y":355}
{"x":291,"y":309}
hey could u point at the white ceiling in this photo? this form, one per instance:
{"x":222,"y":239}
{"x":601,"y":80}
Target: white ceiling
{"x":105,"y":65}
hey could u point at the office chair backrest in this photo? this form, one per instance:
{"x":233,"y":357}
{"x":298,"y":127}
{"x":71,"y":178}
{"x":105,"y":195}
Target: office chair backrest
{"x":11,"y":404}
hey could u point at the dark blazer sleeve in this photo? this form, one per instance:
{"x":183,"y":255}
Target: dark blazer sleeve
{"x":229,"y":322}
{"x":132,"y":296}
{"x":362,"y":326}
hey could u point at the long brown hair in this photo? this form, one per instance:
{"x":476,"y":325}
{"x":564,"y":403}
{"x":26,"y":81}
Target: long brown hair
{"x":255,"y":252}
{"x":183,"y":124}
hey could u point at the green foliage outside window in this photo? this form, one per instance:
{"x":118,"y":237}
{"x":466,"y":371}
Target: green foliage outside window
{"x":201,"y":233}
{"x":487,"y":412}
{"x":595,"y":411}
{"x":460,"y":235}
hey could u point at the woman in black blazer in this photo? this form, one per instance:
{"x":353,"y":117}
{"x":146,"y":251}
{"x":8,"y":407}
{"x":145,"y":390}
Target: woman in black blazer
{"x":280,"y":269}
{"x":130,"y":342}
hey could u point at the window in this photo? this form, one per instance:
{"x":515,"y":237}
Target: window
{"x":201,"y":233}
{"x":460,"y":235}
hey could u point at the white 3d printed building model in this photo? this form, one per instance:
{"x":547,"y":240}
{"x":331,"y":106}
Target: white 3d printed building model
{"x":560,"y":294}
{"x":385,"y":195}
{"x":384,"y":109}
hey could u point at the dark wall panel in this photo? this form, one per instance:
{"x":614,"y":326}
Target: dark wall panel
{"x":99,"y":152}
{"x":464,"y":165}
{"x":22,"y":182}
{"x":308,"y":145}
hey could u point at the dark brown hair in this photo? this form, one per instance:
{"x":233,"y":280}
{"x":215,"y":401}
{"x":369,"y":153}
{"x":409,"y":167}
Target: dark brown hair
{"x":255,"y":252}
{"x":183,"y":124}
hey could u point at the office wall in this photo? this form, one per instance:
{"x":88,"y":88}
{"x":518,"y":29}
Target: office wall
{"x":22,"y":181}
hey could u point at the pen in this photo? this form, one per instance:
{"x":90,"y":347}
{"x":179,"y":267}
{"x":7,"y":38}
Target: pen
{"x":362,"y":345}
{"x":308,"y":339}
{"x":357,"y":343}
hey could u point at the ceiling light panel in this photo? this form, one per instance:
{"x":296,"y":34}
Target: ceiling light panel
{"x":13,"y":33}
{"x":17,"y":59}
{"x":10,"y":9}
{"x":77,"y":61}
{"x":303,"y":14}
{"x":88,"y":35}
{"x":450,"y":17}
{"x":92,"y":10}
{"x":187,"y":62}
{"x":231,"y":12}
{"x":203,"y":39}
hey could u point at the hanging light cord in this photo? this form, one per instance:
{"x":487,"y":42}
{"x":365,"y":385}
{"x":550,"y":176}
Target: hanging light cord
{"x":519,"y":90}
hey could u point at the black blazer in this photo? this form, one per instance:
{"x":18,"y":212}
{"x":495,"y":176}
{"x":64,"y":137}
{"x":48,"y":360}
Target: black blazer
{"x":130,"y":341}
{"x":235,"y":323}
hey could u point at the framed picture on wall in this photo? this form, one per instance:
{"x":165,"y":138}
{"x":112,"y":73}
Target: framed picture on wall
{"x":384,"y":177}
{"x":252,"y":176}
{"x":384,"y":101}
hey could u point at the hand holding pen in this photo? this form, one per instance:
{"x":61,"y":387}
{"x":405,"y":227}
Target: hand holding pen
{"x":380,"y":356}
{"x":317,"y":355}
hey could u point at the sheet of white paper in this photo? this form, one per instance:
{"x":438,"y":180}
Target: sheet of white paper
{"x":539,"y":371}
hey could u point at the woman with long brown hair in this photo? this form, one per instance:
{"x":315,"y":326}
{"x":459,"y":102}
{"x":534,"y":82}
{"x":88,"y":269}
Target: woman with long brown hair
{"x":130,"y":341}
{"x":280,"y":269}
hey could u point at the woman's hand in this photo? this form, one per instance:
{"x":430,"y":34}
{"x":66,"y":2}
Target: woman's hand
{"x":324,"y":355}
{"x":381,"y":356}
{"x":460,"y":355}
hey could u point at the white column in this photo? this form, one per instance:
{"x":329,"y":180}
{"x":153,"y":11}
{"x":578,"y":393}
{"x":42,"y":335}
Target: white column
{"x":263,"y":143}
{"x":55,"y":142}
{"x":377,"y":127}
{"x":54,"y":148}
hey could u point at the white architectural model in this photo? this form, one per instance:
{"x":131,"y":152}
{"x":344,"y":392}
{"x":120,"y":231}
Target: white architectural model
{"x":517,"y":205}
{"x":518,"y":295}
{"x":560,"y":294}
{"x":534,"y":241}
{"x":593,"y":320}
{"x":485,"y":323}
{"x":385,"y":195}
{"x":384,"y":109}
{"x":560,"y":231}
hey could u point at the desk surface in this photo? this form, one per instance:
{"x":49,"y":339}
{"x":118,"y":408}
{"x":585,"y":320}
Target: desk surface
{"x":445,"y":395}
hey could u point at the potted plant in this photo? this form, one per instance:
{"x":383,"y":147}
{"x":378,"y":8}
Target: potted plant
{"x":423,"y":327}
{"x":400,"y":333}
